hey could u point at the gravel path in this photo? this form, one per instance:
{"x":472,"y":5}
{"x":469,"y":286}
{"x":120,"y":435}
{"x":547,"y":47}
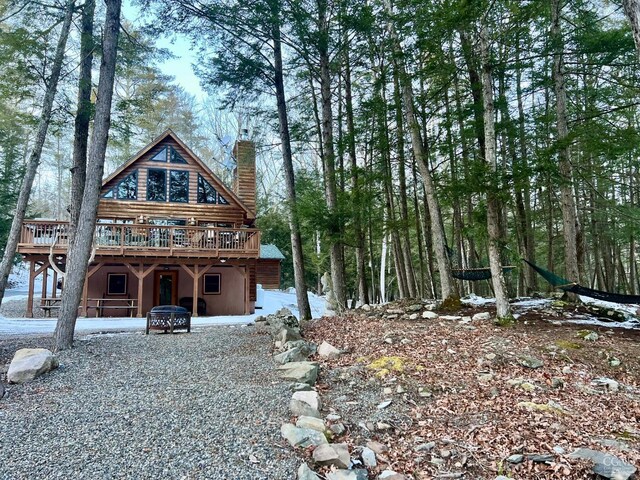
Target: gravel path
{"x":205,"y":405}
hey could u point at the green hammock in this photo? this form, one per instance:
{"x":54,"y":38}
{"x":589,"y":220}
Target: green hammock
{"x":474,"y":274}
{"x":569,"y":286}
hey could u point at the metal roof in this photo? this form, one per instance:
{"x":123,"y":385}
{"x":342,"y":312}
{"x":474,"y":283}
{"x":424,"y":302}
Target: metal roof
{"x":271,"y":252}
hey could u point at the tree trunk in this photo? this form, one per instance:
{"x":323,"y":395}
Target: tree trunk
{"x":335,"y":252}
{"x":447,"y":283}
{"x":402,"y":180}
{"x":363,"y":293}
{"x":568,"y":206}
{"x":632,"y":10}
{"x":36,"y":153}
{"x":78,"y":262}
{"x":296,"y":241}
{"x":83,"y":115}
{"x":503,"y":310}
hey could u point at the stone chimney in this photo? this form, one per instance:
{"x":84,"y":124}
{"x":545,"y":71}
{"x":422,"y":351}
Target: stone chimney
{"x":244,"y":175}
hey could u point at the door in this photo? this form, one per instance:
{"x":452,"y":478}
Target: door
{"x":165,"y":287}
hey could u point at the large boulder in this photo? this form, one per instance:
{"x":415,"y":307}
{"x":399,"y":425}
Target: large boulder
{"x":29,"y":363}
{"x":355,"y":474}
{"x":306,"y":404}
{"x":335,"y":454}
{"x":605,"y":464}
{"x":282,"y":318}
{"x":312,"y":423}
{"x":285,"y":335}
{"x":327,"y":350}
{"x":300,"y":372}
{"x":296,"y":354}
{"x":305,"y":473}
{"x":302,"y":437}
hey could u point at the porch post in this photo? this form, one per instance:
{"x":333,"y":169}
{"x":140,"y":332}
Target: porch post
{"x":85,"y":294}
{"x":32,"y":270}
{"x":45,"y":277}
{"x":140,"y":276}
{"x":54,"y":294}
{"x":196,"y":281}
{"x":247,"y":294}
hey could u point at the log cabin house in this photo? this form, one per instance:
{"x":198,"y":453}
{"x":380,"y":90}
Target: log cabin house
{"x":168,"y":232}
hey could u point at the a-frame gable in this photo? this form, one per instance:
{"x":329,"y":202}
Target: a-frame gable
{"x":167,"y":152}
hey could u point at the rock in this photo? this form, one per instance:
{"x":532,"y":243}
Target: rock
{"x":377,"y":447}
{"x":311,"y":422}
{"x":395,"y":311}
{"x":369,"y":458}
{"x":614,"y":362}
{"x":608,"y":384}
{"x":305,"y":473}
{"x":425,"y":447}
{"x":300,"y":387}
{"x":297,"y":354}
{"x":336,"y":454}
{"x":337,"y":429}
{"x":366,"y":307}
{"x":557,"y":382}
{"x":485,"y":377}
{"x":429,"y":315}
{"x":414,"y":308}
{"x":313,"y":348}
{"x":382,"y":426}
{"x":355,"y":474}
{"x":502,"y":477}
{"x":391,"y":475}
{"x":282,"y":318}
{"x":424,"y":392}
{"x":592,"y":337}
{"x":481,"y":316}
{"x":605,"y":464}
{"x":414,"y":316}
{"x":1,"y":390}
{"x":529,"y":361}
{"x":302,"y":437}
{"x":384,"y":404}
{"x":327,"y":350}
{"x":332,"y":417}
{"x":536,"y":458}
{"x":453,"y":318}
{"x":516,"y":458}
{"x":284,"y":312}
{"x":550,"y":407}
{"x":400,"y":389}
{"x":566,"y":370}
{"x":391,"y":316}
{"x":306,"y":403}
{"x":286,"y":334}
{"x":300,"y":372}
{"x":260,"y":319}
{"x":29,"y":363}
{"x":527,"y":387}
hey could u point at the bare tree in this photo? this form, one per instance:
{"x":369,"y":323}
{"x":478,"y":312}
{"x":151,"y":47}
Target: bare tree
{"x":78,"y":262}
{"x":632,"y":10}
{"x":36,"y":153}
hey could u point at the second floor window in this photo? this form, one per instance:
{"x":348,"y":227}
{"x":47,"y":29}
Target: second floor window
{"x":178,"y":186}
{"x":157,"y":185}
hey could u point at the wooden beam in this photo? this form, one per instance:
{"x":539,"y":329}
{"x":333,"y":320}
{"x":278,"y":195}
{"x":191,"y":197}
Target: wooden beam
{"x":45,"y":276}
{"x":194,"y":301}
{"x":30,"y":293}
{"x":54,"y":294}
{"x":188,"y":270}
{"x":85,"y":289}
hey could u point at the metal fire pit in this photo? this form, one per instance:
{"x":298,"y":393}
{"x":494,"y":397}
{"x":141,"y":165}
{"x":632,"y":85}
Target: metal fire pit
{"x":168,"y":318}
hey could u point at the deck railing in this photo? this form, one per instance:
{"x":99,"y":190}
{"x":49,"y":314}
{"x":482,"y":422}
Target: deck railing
{"x":122,"y":239}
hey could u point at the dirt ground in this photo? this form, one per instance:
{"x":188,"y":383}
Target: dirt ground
{"x":461,"y":385}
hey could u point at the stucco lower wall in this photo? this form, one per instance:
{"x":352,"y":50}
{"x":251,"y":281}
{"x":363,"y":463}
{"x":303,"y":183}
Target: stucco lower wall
{"x":230,"y":301}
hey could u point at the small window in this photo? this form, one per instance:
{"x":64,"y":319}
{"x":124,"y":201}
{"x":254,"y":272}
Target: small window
{"x":179,"y":186}
{"x":222,"y":200}
{"x":206,"y":193}
{"x":109,"y":194}
{"x":127,"y":189}
{"x":167,"y":222}
{"x":211,"y":284}
{"x":176,"y":157}
{"x":157,"y":185}
{"x":161,"y":156}
{"x":116,"y":284}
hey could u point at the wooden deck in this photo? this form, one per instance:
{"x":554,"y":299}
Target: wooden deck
{"x":119,"y":240}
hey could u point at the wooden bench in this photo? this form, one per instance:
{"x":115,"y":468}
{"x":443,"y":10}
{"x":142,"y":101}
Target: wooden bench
{"x":48,"y":304}
{"x":102,"y":304}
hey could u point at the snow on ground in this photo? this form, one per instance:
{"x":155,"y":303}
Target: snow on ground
{"x":273,"y":301}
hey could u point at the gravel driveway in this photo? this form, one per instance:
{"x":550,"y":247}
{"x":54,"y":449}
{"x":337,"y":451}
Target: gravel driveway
{"x":204,"y":405}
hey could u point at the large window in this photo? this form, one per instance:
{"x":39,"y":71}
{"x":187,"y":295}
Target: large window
{"x":170,"y":154}
{"x":206,"y":192}
{"x":157,"y":185}
{"x":126,"y":189}
{"x":116,"y":284}
{"x":179,"y":186}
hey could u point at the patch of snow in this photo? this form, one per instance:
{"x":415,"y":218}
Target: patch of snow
{"x":476,"y":301}
{"x":273,"y":301}
{"x":628,"y":309}
{"x":629,"y":324}
{"x":532,"y":302}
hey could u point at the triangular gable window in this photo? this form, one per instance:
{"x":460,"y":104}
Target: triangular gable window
{"x":206,"y":192}
{"x":161,"y":156}
{"x":127,"y":189}
{"x":109,"y":194}
{"x":176,"y":157}
{"x":222,"y":200}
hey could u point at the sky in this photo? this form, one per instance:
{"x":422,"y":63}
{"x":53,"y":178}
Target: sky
{"x":179,"y":67}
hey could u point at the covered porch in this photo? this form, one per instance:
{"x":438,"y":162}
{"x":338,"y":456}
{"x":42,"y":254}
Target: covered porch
{"x":116,"y":287}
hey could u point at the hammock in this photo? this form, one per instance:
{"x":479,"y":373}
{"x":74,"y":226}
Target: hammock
{"x":569,"y":286}
{"x":473,"y":274}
